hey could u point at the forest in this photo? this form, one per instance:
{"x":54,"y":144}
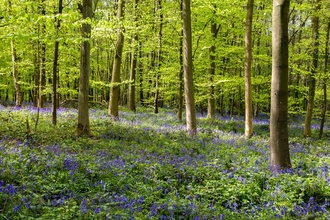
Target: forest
{"x":164,"y":109}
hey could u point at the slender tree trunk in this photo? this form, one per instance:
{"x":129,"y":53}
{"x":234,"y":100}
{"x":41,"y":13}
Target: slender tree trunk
{"x":311,"y":79}
{"x":42,"y":60}
{"x":123,"y":87}
{"x":141,"y":76}
{"x":131,"y":102}
{"x":18,"y":93}
{"x":180,"y":93}
{"x":188,"y":69}
{"x":232,"y":104}
{"x":151,"y":83}
{"x":115,"y":78}
{"x":247,"y":69}
{"x":279,"y":145}
{"x":221,"y":104}
{"x":55,"y":66}
{"x":258,"y":72}
{"x":180,"y":109}
{"x":239,"y":101}
{"x":326,"y":60}
{"x":83,"y":127}
{"x":211,"y":100}
{"x":36,"y":78}
{"x":159,"y":56}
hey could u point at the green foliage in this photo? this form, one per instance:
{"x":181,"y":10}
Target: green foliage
{"x":147,"y":166}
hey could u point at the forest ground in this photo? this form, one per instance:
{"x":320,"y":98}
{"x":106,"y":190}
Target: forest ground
{"x":144,"y":166}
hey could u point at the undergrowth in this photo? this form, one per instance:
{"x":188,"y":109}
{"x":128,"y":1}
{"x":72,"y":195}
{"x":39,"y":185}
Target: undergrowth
{"x":144,"y":166}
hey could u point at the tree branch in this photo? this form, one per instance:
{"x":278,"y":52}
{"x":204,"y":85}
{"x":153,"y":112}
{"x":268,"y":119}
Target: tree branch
{"x":300,"y":26}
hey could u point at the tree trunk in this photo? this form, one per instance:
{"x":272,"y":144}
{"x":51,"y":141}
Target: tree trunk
{"x":123,"y":88}
{"x":221,"y":104}
{"x":42,"y":60}
{"x":141,"y":76}
{"x":188,"y":69}
{"x":211,"y":100}
{"x":326,"y":60}
{"x":180,"y":97}
{"x":115,"y":78}
{"x":258,"y":73}
{"x":18,"y":94}
{"x":279,"y":145}
{"x":180,"y":94}
{"x":131,"y":102}
{"x":311,"y":79}
{"x":55,"y":65}
{"x":247,"y":69}
{"x":159,"y":58}
{"x":83,"y":127}
{"x":232,"y":104}
{"x":36,"y":79}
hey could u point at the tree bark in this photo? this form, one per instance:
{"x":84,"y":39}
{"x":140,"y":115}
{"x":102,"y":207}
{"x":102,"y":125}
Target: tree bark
{"x":115,"y":78}
{"x":188,"y":69}
{"x":159,"y":56}
{"x":279,"y":145}
{"x":18,"y":93}
{"x":326,"y":60}
{"x":83,"y":127}
{"x":131,"y":102}
{"x":141,"y":76}
{"x":181,"y":87}
{"x":42,"y":60}
{"x":311,"y":78}
{"x":36,"y":78}
{"x":180,"y":93}
{"x":247,"y":69}
{"x":211,"y":100}
{"x":55,"y":66}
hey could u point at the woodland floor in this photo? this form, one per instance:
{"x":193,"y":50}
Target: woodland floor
{"x":144,"y":166}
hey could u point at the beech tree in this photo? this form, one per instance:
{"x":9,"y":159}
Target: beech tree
{"x":311,"y":77}
{"x":83,"y":127}
{"x":14,"y":66}
{"x":181,"y":83}
{"x":325,"y":96}
{"x":188,"y":69}
{"x":42,"y":56}
{"x":131,"y":101}
{"x":211,"y":99}
{"x":115,"y":78}
{"x":159,"y":56}
{"x":55,"y":65}
{"x":279,"y":145}
{"x":218,"y":64}
{"x":247,"y":69}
